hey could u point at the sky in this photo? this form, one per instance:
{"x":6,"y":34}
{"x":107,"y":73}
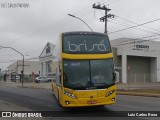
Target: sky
{"x":29,"y":27}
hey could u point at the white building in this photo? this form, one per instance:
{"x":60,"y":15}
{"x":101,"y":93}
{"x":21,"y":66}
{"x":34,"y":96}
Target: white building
{"x":30,"y":67}
{"x":137,"y":60}
{"x":46,"y":60}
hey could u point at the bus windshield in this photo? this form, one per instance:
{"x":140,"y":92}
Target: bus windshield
{"x":86,"y":43}
{"x":88,"y":74}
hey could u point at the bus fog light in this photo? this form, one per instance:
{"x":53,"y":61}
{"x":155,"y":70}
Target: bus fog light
{"x":113,"y":99}
{"x":67,"y":102}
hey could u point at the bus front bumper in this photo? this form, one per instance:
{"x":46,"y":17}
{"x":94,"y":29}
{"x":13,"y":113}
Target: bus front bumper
{"x":69,"y":102}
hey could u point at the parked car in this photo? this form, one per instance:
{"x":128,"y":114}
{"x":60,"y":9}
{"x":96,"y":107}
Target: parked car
{"x":13,"y":77}
{"x":17,"y":77}
{"x":41,"y":79}
{"x":50,"y":78}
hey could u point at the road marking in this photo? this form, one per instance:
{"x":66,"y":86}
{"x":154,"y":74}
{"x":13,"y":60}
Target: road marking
{"x":126,"y":106}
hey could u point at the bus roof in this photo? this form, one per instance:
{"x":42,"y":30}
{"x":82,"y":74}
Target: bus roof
{"x":82,"y":32}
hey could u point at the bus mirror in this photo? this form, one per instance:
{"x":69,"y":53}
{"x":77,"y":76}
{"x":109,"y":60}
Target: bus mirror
{"x":116,"y":77}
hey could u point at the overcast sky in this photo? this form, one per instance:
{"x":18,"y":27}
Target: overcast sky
{"x":30,"y":27}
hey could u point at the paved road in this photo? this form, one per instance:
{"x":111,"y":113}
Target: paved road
{"x":43,"y":100}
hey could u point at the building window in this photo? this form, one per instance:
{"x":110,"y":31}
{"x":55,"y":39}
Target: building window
{"x":41,"y":68}
{"x":49,"y":66}
{"x":48,"y":49}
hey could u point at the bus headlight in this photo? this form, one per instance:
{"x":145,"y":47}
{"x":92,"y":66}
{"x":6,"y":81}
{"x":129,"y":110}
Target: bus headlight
{"x":69,"y":94}
{"x":109,"y":93}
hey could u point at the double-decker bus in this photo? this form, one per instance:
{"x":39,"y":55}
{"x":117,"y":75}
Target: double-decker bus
{"x":83,"y":64}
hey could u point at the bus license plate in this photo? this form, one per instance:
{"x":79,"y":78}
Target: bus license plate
{"x":91,"y":102}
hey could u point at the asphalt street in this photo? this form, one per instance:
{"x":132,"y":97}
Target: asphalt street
{"x":43,"y":100}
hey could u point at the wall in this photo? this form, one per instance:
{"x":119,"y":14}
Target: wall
{"x":158,"y":69}
{"x":139,"y":48}
{"x":153,"y":76}
{"x":138,"y":69}
{"x":29,"y":67}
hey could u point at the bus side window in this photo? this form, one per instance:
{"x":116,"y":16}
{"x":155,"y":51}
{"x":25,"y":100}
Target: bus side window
{"x":116,"y":76}
{"x":60,"y":73}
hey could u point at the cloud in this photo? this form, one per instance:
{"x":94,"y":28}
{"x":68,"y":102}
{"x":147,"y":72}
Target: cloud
{"x":29,"y":29}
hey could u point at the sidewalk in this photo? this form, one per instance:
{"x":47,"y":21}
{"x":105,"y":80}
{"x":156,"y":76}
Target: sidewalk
{"x":132,"y":86}
{"x":47,"y":85}
{"x":139,"y":89}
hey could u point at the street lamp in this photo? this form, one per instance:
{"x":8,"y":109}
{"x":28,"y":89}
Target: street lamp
{"x":23,"y":60}
{"x":81,"y":20}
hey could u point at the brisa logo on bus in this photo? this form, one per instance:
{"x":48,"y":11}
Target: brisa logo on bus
{"x":84,"y":47}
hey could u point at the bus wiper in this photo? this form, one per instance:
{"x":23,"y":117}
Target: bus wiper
{"x":100,"y":84}
{"x":78,"y":85}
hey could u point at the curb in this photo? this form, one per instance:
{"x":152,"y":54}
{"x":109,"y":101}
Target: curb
{"x":33,"y":87}
{"x":138,"y":94}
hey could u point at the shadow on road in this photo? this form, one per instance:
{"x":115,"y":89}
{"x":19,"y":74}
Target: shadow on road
{"x":93,"y":111}
{"x":87,"y":109}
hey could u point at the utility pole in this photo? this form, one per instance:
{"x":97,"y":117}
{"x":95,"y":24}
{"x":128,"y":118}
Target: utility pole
{"x":104,"y":18}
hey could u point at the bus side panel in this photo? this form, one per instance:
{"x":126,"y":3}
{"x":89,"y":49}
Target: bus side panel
{"x":60,"y":95}
{"x":54,"y":89}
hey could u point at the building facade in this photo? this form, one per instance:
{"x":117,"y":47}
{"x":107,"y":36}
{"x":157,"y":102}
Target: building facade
{"x":30,"y":67}
{"x":137,"y":60}
{"x":46,"y":60}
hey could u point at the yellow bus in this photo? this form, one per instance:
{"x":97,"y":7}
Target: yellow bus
{"x":84,"y":70}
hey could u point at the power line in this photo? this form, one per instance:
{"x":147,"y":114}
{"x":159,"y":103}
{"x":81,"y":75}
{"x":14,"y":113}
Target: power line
{"x":126,"y":25}
{"x":134,"y":26}
{"x":53,"y":27}
{"x":12,"y":61}
{"x":53,"y":24}
{"x":33,"y":58}
{"x":147,"y":29}
{"x":134,"y":40}
{"x":137,"y":23}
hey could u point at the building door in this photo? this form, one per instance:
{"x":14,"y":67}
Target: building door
{"x":138,"y":69}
